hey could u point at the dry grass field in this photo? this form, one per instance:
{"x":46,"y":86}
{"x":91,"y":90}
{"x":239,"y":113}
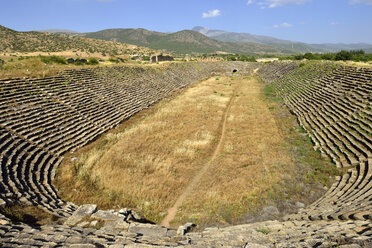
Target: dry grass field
{"x":30,"y":65}
{"x":220,"y":135}
{"x":251,"y":160}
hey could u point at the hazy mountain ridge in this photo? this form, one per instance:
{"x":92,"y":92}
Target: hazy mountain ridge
{"x":301,"y":47}
{"x":58,"y":31}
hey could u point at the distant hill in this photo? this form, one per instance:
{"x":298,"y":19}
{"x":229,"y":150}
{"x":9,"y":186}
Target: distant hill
{"x":336,"y":47}
{"x":59,"y":31}
{"x":238,"y":37}
{"x":198,"y":40}
{"x":294,"y":47}
{"x":33,"y":41}
{"x":297,"y":47}
{"x":186,"y":41}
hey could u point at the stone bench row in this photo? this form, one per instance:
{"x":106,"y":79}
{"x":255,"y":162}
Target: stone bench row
{"x":275,"y":70}
{"x":349,"y":198}
{"x":317,"y":102}
{"x":335,"y":109}
{"x":26,"y":174}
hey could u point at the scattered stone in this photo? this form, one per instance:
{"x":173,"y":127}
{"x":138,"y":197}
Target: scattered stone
{"x":124,"y":211}
{"x":118,"y":225}
{"x":300,"y":205}
{"x":4,"y":222}
{"x":350,"y":246}
{"x":109,"y":215}
{"x":148,"y":229}
{"x":269,"y":212}
{"x":82,"y":246}
{"x":74,"y":159}
{"x":76,"y":240}
{"x":182,"y":230}
{"x":94,"y":223}
{"x":80,"y":213}
{"x":253,"y":245}
{"x":83,"y":224}
{"x":116,"y":246}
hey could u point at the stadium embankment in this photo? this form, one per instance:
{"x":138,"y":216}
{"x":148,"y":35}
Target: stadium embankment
{"x":41,"y":119}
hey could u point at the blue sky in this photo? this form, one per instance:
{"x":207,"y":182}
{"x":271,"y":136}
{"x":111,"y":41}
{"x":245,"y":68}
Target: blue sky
{"x":312,"y":21}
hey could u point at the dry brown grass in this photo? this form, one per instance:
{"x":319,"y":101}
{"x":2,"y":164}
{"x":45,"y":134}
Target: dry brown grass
{"x":357,"y":64}
{"x":149,"y":164}
{"x":149,"y":161}
{"x":31,"y":215}
{"x":29,"y":65}
{"x":251,"y":161}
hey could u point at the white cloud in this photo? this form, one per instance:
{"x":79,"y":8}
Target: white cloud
{"x":334,"y":23}
{"x":282,"y":25}
{"x":278,"y":3}
{"x":368,"y":2}
{"x":212,"y":13}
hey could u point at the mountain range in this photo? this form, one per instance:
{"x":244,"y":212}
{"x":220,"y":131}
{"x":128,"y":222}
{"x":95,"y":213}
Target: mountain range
{"x":204,"y":40}
{"x":184,"y":42}
{"x":300,"y":47}
{"x":199,"y":40}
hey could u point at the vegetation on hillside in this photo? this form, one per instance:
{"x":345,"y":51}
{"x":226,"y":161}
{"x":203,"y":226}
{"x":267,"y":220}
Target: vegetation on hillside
{"x":12,"y":41}
{"x":183,"y":42}
{"x":45,"y":66}
{"x":354,"y":55}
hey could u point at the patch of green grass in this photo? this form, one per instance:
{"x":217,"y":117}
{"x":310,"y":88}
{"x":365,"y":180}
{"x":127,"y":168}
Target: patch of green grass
{"x":321,"y":168}
{"x":270,"y":93}
{"x":264,"y":230}
{"x":312,"y":167}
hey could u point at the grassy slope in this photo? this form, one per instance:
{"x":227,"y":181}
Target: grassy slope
{"x":13,"y":41}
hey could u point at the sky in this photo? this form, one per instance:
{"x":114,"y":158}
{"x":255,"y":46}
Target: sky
{"x":310,"y":21}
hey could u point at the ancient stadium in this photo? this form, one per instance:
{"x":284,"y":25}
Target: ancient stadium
{"x":181,"y":154}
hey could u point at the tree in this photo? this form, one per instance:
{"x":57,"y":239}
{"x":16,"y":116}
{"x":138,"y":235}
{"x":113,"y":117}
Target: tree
{"x":309,"y":56}
{"x":328,"y":56}
{"x":343,"y":55}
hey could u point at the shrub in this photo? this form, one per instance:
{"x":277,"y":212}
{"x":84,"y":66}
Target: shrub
{"x":343,"y":55}
{"x":298,"y":57}
{"x":146,"y":58}
{"x":93,"y":61}
{"x":247,"y":58}
{"x":53,"y":59}
{"x":309,"y":56}
{"x":114,"y":60}
{"x":328,"y":56}
{"x":231,"y":58}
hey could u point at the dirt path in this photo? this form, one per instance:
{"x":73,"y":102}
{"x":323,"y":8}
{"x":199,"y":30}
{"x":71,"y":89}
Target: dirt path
{"x":173,"y":210}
